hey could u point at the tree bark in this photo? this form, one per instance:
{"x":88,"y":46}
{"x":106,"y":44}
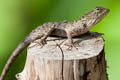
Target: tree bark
{"x":56,"y":61}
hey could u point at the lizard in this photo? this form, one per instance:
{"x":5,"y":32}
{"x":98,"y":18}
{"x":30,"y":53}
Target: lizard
{"x":61,"y":29}
{"x":80,"y":26}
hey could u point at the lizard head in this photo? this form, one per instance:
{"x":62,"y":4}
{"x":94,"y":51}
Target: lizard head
{"x":95,"y":16}
{"x":101,"y":11}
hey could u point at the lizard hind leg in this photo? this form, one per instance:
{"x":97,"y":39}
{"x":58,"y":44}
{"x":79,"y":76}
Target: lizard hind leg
{"x":41,"y":42}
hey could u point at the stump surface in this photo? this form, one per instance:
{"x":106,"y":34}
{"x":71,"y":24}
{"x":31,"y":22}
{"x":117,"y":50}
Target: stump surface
{"x":49,"y":63}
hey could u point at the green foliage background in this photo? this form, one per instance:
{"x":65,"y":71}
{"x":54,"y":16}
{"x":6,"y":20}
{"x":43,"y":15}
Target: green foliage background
{"x":19,"y":17}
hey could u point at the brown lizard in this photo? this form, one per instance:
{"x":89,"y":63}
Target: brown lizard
{"x":62,"y":29}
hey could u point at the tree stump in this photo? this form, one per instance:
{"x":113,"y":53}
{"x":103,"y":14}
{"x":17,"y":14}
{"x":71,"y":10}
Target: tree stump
{"x":56,"y":61}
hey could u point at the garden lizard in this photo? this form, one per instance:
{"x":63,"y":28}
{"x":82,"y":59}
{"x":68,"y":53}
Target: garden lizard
{"x":61,"y":29}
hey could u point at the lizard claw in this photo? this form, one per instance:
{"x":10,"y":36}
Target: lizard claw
{"x":71,"y":45}
{"x":38,"y":43}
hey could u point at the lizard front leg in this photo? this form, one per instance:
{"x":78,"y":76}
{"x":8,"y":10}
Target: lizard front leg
{"x":70,"y":41}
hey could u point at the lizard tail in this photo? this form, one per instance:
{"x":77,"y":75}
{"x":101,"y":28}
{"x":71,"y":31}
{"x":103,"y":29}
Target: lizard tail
{"x":16,"y":52}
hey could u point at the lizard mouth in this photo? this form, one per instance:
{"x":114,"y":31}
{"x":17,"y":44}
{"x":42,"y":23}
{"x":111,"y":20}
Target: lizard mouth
{"x":107,"y":11}
{"x":103,"y":11}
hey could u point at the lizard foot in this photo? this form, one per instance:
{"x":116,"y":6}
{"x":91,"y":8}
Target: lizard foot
{"x":38,"y":43}
{"x":71,"y":45}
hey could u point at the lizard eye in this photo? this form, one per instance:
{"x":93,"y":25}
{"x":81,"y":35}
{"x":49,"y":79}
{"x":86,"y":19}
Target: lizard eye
{"x":98,"y":8}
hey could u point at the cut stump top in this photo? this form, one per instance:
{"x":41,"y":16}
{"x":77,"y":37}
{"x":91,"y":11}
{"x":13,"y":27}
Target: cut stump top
{"x":89,"y":45}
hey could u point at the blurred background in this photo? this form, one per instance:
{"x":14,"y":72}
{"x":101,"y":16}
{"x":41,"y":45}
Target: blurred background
{"x":19,"y":17}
